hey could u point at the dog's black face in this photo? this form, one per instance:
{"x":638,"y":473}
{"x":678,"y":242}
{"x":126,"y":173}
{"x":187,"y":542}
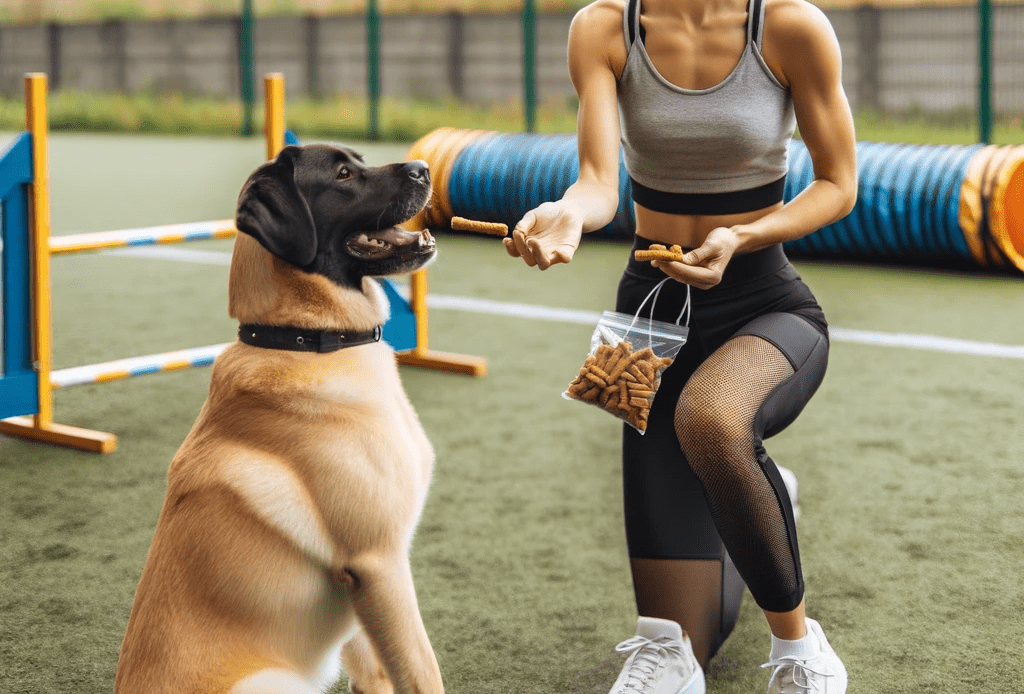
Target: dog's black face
{"x":323,"y":210}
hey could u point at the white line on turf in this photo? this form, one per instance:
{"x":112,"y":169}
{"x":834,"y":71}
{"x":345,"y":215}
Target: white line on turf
{"x":568,"y":315}
{"x":184,"y":255}
{"x":932,"y":342}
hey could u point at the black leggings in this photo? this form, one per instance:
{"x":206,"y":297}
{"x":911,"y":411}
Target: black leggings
{"x":699,"y":484}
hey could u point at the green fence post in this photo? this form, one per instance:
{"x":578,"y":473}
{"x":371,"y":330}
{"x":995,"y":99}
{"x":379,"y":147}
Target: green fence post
{"x":985,"y":71}
{"x":247,"y":72}
{"x":373,"y":68}
{"x":530,"y":64}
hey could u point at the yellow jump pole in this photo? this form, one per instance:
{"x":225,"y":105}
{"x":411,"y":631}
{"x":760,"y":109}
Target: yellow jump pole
{"x":39,"y":222}
{"x":418,"y":301}
{"x":273,"y":84}
{"x":41,"y":427}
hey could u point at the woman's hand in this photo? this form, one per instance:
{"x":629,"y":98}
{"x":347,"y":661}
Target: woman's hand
{"x":704,"y":266}
{"x":546,"y":235}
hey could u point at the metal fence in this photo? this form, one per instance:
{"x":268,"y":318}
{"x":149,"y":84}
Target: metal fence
{"x":923,"y":58}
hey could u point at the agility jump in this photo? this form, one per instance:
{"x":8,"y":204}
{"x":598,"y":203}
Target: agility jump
{"x":27,"y":379}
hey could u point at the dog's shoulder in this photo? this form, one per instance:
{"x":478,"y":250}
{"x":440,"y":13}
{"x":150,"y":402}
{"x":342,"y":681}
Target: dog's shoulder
{"x":273,"y":491}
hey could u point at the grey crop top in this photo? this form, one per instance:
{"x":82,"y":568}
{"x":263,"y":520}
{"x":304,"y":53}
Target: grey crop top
{"x":704,"y":151}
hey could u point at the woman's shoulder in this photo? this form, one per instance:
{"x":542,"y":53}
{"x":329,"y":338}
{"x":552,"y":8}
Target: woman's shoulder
{"x":600,"y":17}
{"x":596,"y":36}
{"x":789,"y":20}
{"x":798,"y":37}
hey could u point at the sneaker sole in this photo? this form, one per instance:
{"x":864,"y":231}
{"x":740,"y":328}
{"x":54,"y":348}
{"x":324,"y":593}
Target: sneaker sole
{"x":696,"y":685}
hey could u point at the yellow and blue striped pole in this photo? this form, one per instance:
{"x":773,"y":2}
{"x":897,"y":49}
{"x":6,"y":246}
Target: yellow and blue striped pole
{"x":145,"y":236}
{"x":137,"y":366}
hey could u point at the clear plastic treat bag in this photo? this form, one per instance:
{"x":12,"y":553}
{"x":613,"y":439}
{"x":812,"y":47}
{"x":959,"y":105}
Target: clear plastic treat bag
{"x":622,"y":373}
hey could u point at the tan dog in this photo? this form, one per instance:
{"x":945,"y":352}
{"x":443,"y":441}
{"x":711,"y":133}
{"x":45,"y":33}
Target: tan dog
{"x":282,"y":549}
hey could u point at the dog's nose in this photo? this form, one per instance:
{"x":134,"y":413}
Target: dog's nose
{"x":418,"y":170}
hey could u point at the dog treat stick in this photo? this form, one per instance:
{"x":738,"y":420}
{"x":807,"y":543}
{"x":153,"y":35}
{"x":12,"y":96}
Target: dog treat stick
{"x":491,"y":228}
{"x":659,"y":252}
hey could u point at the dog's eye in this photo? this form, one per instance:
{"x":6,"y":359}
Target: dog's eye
{"x":344,"y":173}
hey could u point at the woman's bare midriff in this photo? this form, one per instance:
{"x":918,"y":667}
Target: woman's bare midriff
{"x":689,"y":231}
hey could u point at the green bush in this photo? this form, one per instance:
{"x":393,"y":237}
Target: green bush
{"x":405,"y":120}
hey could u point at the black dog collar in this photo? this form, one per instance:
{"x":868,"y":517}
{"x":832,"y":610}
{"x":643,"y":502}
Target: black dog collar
{"x":302,"y":340}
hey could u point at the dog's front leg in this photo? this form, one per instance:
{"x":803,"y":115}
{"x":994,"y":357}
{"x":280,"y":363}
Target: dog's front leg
{"x":366,"y":674}
{"x":384,"y":598}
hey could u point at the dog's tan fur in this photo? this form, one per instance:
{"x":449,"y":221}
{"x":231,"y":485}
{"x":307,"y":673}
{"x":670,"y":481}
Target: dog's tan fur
{"x":282,"y":546}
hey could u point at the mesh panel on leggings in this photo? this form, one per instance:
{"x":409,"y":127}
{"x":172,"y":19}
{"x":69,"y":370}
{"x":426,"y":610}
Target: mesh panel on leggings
{"x":703,"y":596}
{"x":714,"y":423}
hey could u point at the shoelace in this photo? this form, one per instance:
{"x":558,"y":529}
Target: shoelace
{"x":646,"y":661}
{"x":800,"y":676}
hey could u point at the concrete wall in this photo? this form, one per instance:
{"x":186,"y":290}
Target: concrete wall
{"x":894,"y":59}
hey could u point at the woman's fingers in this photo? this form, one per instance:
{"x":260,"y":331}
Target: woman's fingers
{"x":524,"y":247}
{"x":694,"y":275}
{"x":537,"y":253}
{"x":554,"y":256}
{"x":704,"y":266}
{"x":518,"y":245}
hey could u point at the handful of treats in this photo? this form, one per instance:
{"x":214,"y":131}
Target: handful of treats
{"x":620,"y":381}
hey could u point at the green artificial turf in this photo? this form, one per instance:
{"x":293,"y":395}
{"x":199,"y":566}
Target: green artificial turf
{"x":909,"y":461}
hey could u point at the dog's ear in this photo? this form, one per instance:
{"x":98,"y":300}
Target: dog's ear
{"x":273,"y":210}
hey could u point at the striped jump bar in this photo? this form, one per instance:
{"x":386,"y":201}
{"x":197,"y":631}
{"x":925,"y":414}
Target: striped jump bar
{"x":137,"y":366}
{"x":145,"y":236}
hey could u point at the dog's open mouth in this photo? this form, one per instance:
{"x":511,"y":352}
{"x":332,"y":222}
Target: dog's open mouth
{"x":393,"y":242}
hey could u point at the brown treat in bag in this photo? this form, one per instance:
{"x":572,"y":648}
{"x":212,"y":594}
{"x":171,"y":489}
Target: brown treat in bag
{"x":622,"y":376}
{"x":620,"y":381}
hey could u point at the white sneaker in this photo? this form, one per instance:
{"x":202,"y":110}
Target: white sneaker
{"x":821,"y":673}
{"x":660,"y":661}
{"x":789,"y":479}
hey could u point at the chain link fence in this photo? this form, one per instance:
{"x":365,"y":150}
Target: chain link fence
{"x":919,"y":58}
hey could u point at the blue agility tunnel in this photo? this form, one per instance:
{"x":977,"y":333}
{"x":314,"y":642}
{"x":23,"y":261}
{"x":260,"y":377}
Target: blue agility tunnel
{"x":931,"y":205}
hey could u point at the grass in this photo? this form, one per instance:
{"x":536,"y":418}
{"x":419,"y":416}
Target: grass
{"x":405,"y":120}
{"x":340,"y":117}
{"x":917,"y":127}
{"x":908,"y":461}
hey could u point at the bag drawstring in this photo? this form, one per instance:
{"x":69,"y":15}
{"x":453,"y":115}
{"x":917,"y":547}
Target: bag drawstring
{"x":656,"y":291}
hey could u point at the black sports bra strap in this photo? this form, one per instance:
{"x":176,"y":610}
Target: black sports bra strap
{"x":633,"y":12}
{"x":756,"y":10}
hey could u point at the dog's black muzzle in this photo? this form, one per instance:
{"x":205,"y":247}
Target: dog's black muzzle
{"x":417,"y":170}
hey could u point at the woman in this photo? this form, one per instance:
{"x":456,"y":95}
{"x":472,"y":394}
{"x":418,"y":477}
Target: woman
{"x":703,"y":96}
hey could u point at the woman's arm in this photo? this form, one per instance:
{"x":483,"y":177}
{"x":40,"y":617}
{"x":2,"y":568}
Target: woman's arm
{"x":808,"y":56}
{"x":551,"y":233}
{"x":804,"y":49}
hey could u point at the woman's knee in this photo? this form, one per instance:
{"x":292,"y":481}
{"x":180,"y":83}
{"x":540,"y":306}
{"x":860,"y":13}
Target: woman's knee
{"x":707,"y":431}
